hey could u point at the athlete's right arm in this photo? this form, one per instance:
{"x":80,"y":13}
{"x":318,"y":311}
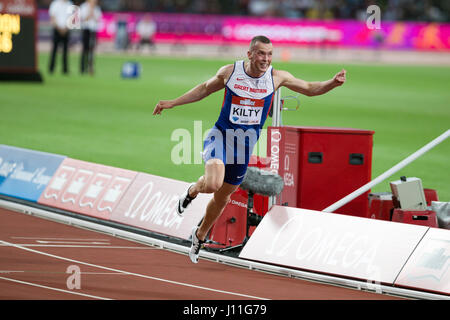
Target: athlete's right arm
{"x":199,"y":92}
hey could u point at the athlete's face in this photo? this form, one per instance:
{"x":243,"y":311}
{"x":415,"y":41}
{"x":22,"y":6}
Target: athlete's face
{"x":260,"y":56}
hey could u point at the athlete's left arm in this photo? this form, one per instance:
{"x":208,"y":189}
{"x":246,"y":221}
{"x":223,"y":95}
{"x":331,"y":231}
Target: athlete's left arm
{"x":309,"y":88}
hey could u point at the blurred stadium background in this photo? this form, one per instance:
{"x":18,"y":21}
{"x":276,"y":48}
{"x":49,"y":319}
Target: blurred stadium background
{"x":397,"y":84}
{"x":398,"y":10}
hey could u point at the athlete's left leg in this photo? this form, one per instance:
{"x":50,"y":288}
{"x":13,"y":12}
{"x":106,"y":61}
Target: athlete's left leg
{"x":215,"y":208}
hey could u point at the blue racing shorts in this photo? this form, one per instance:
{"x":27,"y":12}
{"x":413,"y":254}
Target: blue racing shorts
{"x":234,"y":151}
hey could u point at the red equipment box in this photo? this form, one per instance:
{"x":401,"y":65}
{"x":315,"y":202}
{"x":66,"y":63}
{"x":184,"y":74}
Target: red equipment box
{"x":430,"y":195}
{"x":424,"y":218}
{"x":321,"y":165}
{"x":230,"y":228}
{"x":380,"y":206}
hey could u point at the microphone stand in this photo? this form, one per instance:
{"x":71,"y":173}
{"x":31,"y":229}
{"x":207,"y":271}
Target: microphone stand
{"x":252,"y":220}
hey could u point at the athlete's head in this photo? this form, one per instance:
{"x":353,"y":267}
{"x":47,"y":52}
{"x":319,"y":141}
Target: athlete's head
{"x":260,"y":53}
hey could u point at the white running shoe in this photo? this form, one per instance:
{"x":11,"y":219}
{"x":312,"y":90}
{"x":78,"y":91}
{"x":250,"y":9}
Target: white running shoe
{"x":196,"y":244}
{"x":184,"y":201}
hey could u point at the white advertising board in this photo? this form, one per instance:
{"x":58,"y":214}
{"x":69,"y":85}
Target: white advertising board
{"x":331,"y":243}
{"x":428,"y":267}
{"x":150,"y":203}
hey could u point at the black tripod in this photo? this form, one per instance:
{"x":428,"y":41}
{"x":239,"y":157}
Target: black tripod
{"x":252,"y":220}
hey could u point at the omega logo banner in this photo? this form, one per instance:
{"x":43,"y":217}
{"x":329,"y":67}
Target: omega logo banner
{"x":336,"y":244}
{"x":150,"y":203}
{"x":87,"y":188}
{"x":25,"y":173}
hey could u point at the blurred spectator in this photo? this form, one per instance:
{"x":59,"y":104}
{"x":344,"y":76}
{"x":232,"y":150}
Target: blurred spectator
{"x":319,"y":9}
{"x":90,"y":16}
{"x":261,"y":7}
{"x":122,"y":41}
{"x":111,"y":5}
{"x":60,"y":15}
{"x":433,"y":13}
{"x":146,"y":29}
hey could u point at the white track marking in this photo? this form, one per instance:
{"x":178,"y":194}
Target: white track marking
{"x":55,"y":289}
{"x":56,"y":272}
{"x":71,"y":242}
{"x":132,"y":273}
{"x":104,"y":273}
{"x":81,"y":246}
{"x":63,"y":239}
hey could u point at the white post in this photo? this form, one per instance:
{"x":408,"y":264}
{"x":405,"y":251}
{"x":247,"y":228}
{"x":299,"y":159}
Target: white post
{"x":276,"y":109}
{"x":388,"y":173}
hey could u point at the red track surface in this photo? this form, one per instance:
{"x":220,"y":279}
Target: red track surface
{"x":114,"y":268}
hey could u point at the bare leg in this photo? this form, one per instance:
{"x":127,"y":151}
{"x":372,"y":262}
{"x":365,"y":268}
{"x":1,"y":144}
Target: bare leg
{"x":215,"y":208}
{"x":212,"y":182}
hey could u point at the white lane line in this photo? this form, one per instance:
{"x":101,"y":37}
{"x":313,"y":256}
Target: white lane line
{"x":104,"y":273}
{"x":72,"y":242}
{"x":55,"y":289}
{"x":132,"y":273}
{"x":80,"y":246}
{"x":62,"y":239}
{"x":58,"y":272}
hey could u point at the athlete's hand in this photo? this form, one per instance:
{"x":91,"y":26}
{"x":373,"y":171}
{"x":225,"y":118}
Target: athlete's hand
{"x":340,"y":78}
{"x":161,"y":105}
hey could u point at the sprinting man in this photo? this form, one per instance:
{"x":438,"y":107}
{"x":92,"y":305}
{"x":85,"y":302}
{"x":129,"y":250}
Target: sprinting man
{"x":249,"y":89}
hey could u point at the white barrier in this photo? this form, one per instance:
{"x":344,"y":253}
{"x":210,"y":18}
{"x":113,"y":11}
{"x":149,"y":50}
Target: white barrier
{"x":429,"y":265}
{"x":366,"y":249}
{"x":150,"y":204}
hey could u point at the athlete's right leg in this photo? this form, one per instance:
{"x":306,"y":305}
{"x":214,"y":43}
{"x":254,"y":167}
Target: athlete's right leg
{"x":214,"y":209}
{"x":212,"y":180}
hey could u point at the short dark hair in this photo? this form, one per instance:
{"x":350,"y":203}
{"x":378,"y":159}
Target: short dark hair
{"x":262,"y":39}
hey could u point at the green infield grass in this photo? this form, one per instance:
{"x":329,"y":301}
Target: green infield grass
{"x":106,"y":119}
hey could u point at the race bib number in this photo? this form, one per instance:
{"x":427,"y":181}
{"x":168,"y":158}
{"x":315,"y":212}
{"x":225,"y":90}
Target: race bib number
{"x":246,"y":110}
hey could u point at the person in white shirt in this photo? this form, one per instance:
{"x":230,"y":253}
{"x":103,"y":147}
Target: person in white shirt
{"x":60,"y":15}
{"x":90,"y":16}
{"x":146,"y":29}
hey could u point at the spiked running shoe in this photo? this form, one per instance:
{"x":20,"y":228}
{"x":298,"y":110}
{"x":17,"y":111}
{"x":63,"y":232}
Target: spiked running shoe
{"x":184,"y":201}
{"x":196,"y":244}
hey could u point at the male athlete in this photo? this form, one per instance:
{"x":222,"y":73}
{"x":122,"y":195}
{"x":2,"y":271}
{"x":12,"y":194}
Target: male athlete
{"x":249,"y":89}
